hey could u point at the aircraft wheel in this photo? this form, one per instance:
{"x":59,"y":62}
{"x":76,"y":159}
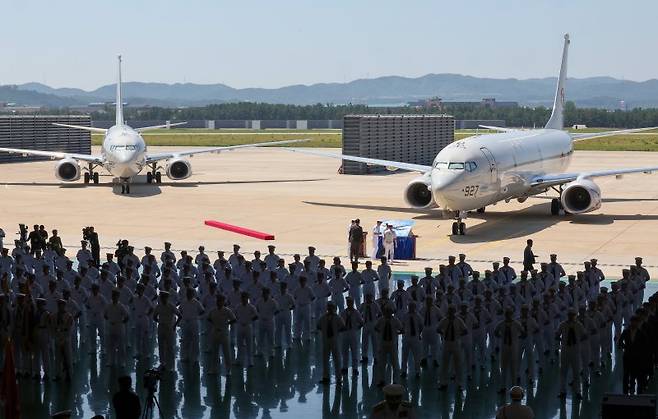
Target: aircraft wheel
{"x":455,"y":229}
{"x":95,"y":177}
{"x":86,"y":177}
{"x":149,"y":177}
{"x":555,"y":206}
{"x":127,"y":188}
{"x":158,"y":177}
{"x":481,"y":210}
{"x":462,"y":229}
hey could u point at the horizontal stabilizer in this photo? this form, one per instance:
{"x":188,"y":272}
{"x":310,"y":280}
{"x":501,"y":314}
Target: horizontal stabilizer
{"x":142,"y":129}
{"x":590,"y":135}
{"x":90,"y":129}
{"x":499,"y":129}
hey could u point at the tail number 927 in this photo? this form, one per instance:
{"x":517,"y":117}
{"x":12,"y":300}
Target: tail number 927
{"x":471,"y":190}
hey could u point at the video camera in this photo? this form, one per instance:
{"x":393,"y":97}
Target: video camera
{"x":151,"y":378}
{"x":86,"y":233}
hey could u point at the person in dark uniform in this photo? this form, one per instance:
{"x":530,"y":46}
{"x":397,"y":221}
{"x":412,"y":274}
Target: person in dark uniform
{"x":125,"y":401}
{"x":35,"y":240}
{"x":92,"y":238}
{"x":627,"y":345}
{"x":55,"y":243}
{"x":356,"y":240}
{"x":529,"y":258}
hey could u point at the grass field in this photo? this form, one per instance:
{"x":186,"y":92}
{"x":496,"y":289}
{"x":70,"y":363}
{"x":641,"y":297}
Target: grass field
{"x":645,"y":141}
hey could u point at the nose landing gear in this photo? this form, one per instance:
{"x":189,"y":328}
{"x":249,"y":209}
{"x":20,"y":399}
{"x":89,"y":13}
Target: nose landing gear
{"x":125,"y":186}
{"x":459,"y":227}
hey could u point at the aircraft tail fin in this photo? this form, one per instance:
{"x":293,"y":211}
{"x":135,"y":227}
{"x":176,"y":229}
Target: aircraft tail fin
{"x":119,"y":101}
{"x":557,"y":117}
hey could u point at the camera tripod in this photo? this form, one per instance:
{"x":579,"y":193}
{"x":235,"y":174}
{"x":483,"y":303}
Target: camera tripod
{"x":151,"y":401}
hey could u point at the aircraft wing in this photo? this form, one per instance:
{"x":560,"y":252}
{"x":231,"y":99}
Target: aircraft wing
{"x":56,"y":155}
{"x":90,"y":129}
{"x":374,"y":162}
{"x":150,"y":158}
{"x":562,"y":178}
{"x":588,"y":135}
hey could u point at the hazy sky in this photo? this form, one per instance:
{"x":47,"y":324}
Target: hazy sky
{"x":243,"y":43}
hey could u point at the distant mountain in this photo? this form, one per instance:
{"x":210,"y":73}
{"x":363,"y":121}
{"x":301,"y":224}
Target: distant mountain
{"x":602,"y":92}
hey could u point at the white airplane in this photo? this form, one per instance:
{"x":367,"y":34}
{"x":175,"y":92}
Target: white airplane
{"x":124,"y":153}
{"x":514,"y":164}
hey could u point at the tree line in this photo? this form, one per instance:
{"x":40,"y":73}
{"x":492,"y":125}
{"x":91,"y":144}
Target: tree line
{"x":513,"y":116}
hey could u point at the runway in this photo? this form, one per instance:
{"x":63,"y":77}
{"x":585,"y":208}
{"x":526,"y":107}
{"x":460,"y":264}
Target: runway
{"x":303,"y":201}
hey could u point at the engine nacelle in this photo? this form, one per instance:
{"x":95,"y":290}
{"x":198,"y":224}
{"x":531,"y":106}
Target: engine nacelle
{"x":67,"y":170}
{"x":581,"y":196}
{"x":178,"y":169}
{"x":419,"y":193}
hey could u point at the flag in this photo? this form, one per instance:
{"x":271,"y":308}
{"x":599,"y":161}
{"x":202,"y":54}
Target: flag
{"x":9,"y":385}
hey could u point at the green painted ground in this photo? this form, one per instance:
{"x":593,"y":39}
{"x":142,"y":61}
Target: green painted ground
{"x":645,"y":141}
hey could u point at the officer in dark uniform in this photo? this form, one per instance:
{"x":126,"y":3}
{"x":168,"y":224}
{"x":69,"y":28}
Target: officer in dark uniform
{"x":529,"y":258}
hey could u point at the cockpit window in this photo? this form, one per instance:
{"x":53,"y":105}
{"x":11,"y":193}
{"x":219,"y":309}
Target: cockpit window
{"x":456,"y":166}
{"x":471,"y":166}
{"x":441,"y":165}
{"x":129,"y":147}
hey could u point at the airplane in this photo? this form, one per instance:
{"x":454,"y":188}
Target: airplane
{"x":124,"y":153}
{"x":478,"y":171}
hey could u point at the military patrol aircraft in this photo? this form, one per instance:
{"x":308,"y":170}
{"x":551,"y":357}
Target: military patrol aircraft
{"x":512,"y":164}
{"x":124,"y":153}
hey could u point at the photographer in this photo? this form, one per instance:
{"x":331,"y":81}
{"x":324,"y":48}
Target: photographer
{"x":121,"y":252}
{"x":125,"y":401}
{"x":91,"y":236}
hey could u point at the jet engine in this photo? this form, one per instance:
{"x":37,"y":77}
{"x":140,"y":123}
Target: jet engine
{"x":581,"y":196}
{"x":178,"y":169}
{"x":419,"y":193}
{"x":67,"y":170}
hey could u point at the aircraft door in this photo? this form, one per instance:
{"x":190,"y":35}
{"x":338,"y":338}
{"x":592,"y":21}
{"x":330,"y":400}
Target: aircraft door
{"x":493,"y":168}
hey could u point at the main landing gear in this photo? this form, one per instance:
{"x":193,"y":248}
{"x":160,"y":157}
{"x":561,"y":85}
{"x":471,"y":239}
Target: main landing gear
{"x":154,"y":174}
{"x":90,"y":175}
{"x":556,"y":203}
{"x":459,"y":227}
{"x":125,"y":186}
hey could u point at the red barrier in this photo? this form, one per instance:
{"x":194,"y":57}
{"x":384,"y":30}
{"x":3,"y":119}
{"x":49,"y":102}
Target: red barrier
{"x":239,"y":230}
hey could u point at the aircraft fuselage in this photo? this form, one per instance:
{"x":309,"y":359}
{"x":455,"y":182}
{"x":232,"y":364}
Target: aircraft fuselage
{"x":123,"y":151}
{"x":479,"y":171}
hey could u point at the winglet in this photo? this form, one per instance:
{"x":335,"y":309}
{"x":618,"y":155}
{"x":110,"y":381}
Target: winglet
{"x":119,"y":102}
{"x":557,"y":117}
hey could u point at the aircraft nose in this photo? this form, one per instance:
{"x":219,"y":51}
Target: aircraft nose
{"x":124,"y":157}
{"x":446,"y":186}
{"x":442,"y":180}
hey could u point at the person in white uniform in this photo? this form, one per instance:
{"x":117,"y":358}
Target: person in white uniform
{"x":167,"y":316}
{"x":267,"y":309}
{"x":376,"y":236}
{"x":388,"y":241}
{"x":191,"y":310}
{"x":220,"y":319}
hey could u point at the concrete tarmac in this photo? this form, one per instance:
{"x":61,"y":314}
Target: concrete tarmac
{"x":303,"y":201}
